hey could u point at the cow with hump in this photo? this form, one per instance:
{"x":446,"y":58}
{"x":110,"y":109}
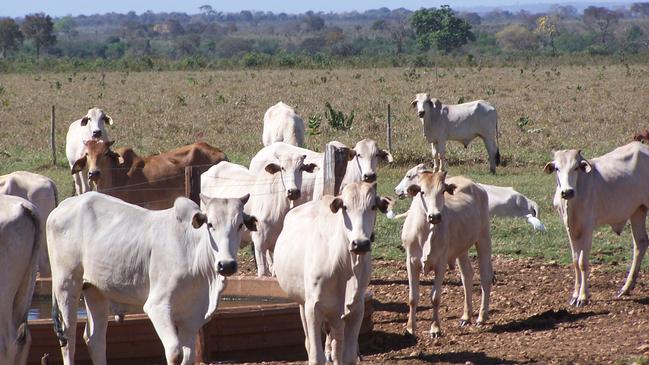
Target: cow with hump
{"x":91,"y":127}
{"x":282,"y":124}
{"x":171,"y":262}
{"x":19,"y":248}
{"x":447,"y":216}
{"x":323,"y":262}
{"x":606,"y":190}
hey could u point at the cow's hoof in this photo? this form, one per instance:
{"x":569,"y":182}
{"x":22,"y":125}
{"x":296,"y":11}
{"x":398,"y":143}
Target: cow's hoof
{"x":435,"y":334}
{"x":581,"y":303}
{"x":465,"y":322}
{"x":572,"y":301}
{"x":329,"y":358}
{"x":408,"y":334}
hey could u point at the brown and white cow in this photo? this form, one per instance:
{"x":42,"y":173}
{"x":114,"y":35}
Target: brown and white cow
{"x":152,"y":182}
{"x":446,"y":218}
{"x":607,"y":190}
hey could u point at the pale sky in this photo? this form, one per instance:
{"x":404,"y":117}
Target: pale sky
{"x":14,"y":8}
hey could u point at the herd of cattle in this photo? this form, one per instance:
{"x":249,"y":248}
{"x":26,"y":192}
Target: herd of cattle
{"x":137,"y":241}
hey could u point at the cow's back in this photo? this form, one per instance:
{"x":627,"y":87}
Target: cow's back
{"x":282,"y":124}
{"x":467,"y":212}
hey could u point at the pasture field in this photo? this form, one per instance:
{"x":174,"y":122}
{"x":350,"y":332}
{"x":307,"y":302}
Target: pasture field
{"x":540,"y":109}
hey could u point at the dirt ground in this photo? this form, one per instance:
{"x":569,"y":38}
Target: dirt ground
{"x":530,"y":320}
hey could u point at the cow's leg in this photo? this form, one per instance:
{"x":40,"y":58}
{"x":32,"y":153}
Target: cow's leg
{"x":66,"y":294}
{"x":441,"y":151}
{"x":467,"y":283}
{"x":492,"y":151}
{"x":353,"y":323}
{"x":305,"y":328}
{"x":436,"y":295}
{"x":638,"y":223}
{"x":160,"y":316}
{"x":187,"y":338}
{"x":97,"y":307}
{"x":414,"y":268}
{"x":259,"y":241}
{"x":314,"y":319}
{"x":78,"y":185}
{"x":85,"y":183}
{"x":486,"y":274}
{"x":574,"y":248}
{"x":584,"y":246}
{"x":336,"y":337}
{"x":433,"y":149}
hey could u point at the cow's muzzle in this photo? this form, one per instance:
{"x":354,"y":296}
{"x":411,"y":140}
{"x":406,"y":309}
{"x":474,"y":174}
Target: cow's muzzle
{"x":96,"y":134}
{"x":568,"y":194}
{"x":371,"y":177}
{"x":226,"y":267}
{"x":435,"y":218}
{"x":94,"y":175}
{"x":421,"y":114}
{"x":361,"y":246}
{"x":293,"y":194}
{"x":400,"y":194}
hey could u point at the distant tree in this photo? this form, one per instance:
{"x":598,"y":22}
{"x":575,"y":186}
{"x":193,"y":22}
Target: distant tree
{"x":312,"y":45}
{"x":564,"y":11}
{"x":40,"y":29}
{"x":313,"y":23}
{"x":634,"y":40}
{"x":546,"y":28}
{"x":246,"y":16}
{"x":640,"y":9}
{"x":334,"y":35}
{"x":207,"y":10}
{"x":66,"y":26}
{"x":10,"y":35}
{"x":441,"y":28}
{"x":379,"y":25}
{"x":472,"y":18}
{"x":601,"y":19}
{"x":516,"y":37}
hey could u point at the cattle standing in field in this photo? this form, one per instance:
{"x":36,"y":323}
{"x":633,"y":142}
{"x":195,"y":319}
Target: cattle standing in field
{"x":40,"y":191}
{"x":272,"y":191}
{"x":282,"y":124}
{"x":503,"y":201}
{"x":92,"y":126}
{"x":446,"y":218}
{"x":19,"y":246}
{"x":606,"y":190}
{"x":460,"y":122}
{"x":172,"y":262}
{"x":323,"y":262}
{"x":365,"y":159}
{"x":152,"y":182}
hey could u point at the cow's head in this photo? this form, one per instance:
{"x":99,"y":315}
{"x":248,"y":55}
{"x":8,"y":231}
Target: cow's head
{"x":98,"y":157}
{"x":15,"y":347}
{"x":367,"y":153}
{"x":225,"y":220}
{"x":96,"y":121}
{"x":424,"y":104}
{"x":411,"y":178}
{"x":289,"y":166}
{"x":431,"y":189}
{"x":569,"y":165}
{"x":358,"y":204}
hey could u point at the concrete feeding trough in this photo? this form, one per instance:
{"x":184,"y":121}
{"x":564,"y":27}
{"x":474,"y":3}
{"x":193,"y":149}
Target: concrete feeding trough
{"x":254,"y":322}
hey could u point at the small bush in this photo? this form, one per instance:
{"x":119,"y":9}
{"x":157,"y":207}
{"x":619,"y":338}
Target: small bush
{"x":338,"y":120}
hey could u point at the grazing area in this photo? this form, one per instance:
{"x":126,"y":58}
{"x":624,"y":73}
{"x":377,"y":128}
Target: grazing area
{"x":540,"y":108}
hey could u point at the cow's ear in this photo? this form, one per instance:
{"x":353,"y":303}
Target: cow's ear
{"x":413,"y":190}
{"x":198,"y":220}
{"x":383,"y":203}
{"x":108,"y":119}
{"x":79,"y":165}
{"x":436,"y":104}
{"x":272,"y":168}
{"x":450,"y":188}
{"x":549,"y":168}
{"x":351,"y":153}
{"x":585,"y":166}
{"x":413,"y":103}
{"x":244,"y":199}
{"x":250,"y":222}
{"x":21,"y":337}
{"x":385,"y":156}
{"x":84,"y":121}
{"x":336,"y":205}
{"x":309,"y":167}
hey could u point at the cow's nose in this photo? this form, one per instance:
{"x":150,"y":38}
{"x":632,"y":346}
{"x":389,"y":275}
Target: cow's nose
{"x":434,"y":218}
{"x":361,"y":246}
{"x":227,"y":267}
{"x":94,"y":174}
{"x":96,"y":134}
{"x":399,"y":193}
{"x":371,"y":177}
{"x":293,"y":194}
{"x":568,"y":194}
{"x":421,"y":114}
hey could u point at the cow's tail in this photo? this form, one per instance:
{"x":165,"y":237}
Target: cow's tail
{"x":497,"y":142}
{"x":56,"y":322}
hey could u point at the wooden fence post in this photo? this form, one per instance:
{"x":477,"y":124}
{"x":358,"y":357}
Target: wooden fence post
{"x":389,"y":130}
{"x":52,"y":133}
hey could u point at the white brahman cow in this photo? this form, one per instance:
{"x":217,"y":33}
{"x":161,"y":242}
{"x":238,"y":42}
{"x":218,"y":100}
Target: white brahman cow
{"x":446,"y":218}
{"x":606,"y":190}
{"x":503,"y":201}
{"x":362,"y":167}
{"x":461,"y":122}
{"x":92,"y":126}
{"x":172,"y":262}
{"x":272,"y":190}
{"x":282,"y":124}
{"x":40,"y":191}
{"x":323,"y":262}
{"x":19,"y":247}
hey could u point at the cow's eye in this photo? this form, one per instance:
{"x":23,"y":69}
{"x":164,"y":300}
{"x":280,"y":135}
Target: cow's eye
{"x":209,"y":225}
{"x":240,"y":226}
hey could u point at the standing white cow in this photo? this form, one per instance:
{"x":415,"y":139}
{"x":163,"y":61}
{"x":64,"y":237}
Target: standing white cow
{"x":503,"y":201}
{"x":19,"y":246}
{"x":92,"y":126}
{"x":282,"y":124}
{"x":362,"y":167}
{"x":446,"y":218}
{"x":461,"y":122}
{"x":40,"y":191}
{"x":322,"y":261}
{"x":607,"y":190}
{"x":172,"y":262}
{"x":272,"y":190}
